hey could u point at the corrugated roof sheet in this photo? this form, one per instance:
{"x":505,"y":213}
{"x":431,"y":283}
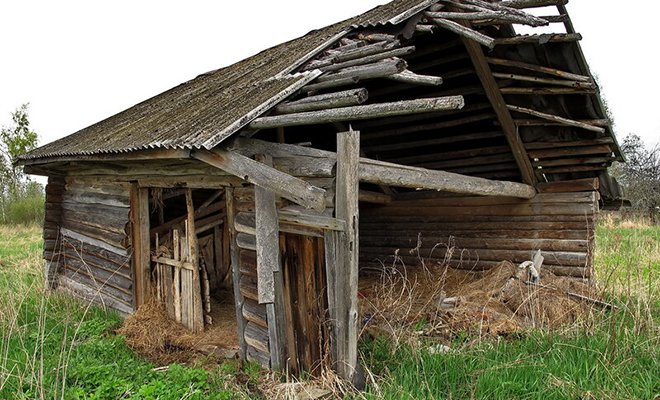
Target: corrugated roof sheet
{"x":208,"y":109}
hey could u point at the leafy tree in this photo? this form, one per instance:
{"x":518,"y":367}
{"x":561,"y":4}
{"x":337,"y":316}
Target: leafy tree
{"x":14,"y":141}
{"x":640,"y":175}
{"x":19,"y":196}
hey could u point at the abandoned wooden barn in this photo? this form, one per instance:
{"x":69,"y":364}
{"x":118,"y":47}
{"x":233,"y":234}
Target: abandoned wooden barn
{"x":277,"y":178}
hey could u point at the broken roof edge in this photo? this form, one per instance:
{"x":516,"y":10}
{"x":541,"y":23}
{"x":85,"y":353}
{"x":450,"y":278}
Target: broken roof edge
{"x":218,"y":138}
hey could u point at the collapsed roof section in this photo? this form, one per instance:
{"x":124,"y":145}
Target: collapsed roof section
{"x":530,"y":110}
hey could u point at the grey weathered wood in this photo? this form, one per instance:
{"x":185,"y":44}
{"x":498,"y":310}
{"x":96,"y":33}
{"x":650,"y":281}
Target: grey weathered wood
{"x":257,"y":337}
{"x":95,"y":242}
{"x":465,"y":32}
{"x":359,"y":92}
{"x":415,"y":79}
{"x":363,"y":51}
{"x":341,"y":99}
{"x":531,"y":3}
{"x":330,"y":84}
{"x":526,"y":78}
{"x":245,"y":223}
{"x":235,"y":269}
{"x":556,"y":118}
{"x":368,"y":196}
{"x":197,"y":315}
{"x":369,"y":59}
{"x":287,"y":186}
{"x":298,"y":216}
{"x":85,"y":292}
{"x":540,"y":39}
{"x":378,"y":172}
{"x":255,"y":313}
{"x":381,"y":110}
{"x":538,"y":68}
{"x":375,"y":70}
{"x":512,"y":14}
{"x":344,"y":292}
{"x":267,"y":238}
{"x":247,"y":242}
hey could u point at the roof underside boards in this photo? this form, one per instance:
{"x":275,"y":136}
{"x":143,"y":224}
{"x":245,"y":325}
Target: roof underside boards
{"x":206,"y":110}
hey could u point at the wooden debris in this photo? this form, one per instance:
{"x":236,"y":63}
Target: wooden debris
{"x":333,"y":100}
{"x":415,"y":79}
{"x":465,"y":32}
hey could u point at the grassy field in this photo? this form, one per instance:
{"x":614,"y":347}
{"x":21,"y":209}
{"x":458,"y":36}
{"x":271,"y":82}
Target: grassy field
{"x":55,"y":347}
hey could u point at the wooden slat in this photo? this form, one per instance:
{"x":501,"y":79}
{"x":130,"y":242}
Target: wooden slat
{"x":267,"y":238}
{"x":576,"y":185}
{"x":235,"y":267}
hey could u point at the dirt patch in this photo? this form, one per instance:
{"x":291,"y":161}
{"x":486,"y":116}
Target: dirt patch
{"x":450,"y":301}
{"x":150,"y":332}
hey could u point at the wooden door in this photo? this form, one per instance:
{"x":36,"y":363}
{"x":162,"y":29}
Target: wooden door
{"x":177,"y":275}
{"x":305,"y":301}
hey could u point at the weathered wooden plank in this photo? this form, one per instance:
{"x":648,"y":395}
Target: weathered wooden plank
{"x":556,"y":118}
{"x":247,"y":242}
{"x":540,"y":39}
{"x":267,"y":238}
{"x":575,"y":185}
{"x":245,"y":223}
{"x":345,"y":291}
{"x":465,"y":31}
{"x":141,"y":262}
{"x":429,"y":240}
{"x":381,"y":110}
{"x":512,"y":209}
{"x":258,"y":357}
{"x":257,"y":337}
{"x":235,"y":268}
{"x":68,"y":285}
{"x":193,"y":256}
{"x":96,"y":198}
{"x":340,"y":99}
{"x":285,"y":185}
{"x":255,"y":313}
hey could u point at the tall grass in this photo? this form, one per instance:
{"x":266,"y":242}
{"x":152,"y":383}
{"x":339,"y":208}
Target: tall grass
{"x":609,"y":355}
{"x":54,"y":347}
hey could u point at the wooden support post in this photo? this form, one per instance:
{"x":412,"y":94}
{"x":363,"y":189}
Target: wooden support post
{"x":236,"y":273}
{"x":270,"y":287}
{"x":344,"y":292}
{"x":193,"y":258}
{"x":499,"y":106}
{"x":141,"y":244}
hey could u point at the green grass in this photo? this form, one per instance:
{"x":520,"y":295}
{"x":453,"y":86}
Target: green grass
{"x":612,"y":355}
{"x":54,"y":347}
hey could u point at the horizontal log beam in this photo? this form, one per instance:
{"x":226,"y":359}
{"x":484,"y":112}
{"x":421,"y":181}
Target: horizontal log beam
{"x":531,"y":3}
{"x":381,"y":110}
{"x":465,"y":32}
{"x":538,"y":68}
{"x":321,"y":102}
{"x":556,"y":118}
{"x":415,"y":79}
{"x":539,"y":39}
{"x":287,"y":186}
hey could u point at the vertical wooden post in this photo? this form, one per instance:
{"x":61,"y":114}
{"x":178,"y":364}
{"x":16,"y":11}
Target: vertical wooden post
{"x":197,"y":311}
{"x":269,"y":270}
{"x":235,"y":270}
{"x":346,"y":275}
{"x":141,"y":258}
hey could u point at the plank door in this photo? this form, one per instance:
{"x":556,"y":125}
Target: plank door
{"x":177,"y":275}
{"x":305,"y":301}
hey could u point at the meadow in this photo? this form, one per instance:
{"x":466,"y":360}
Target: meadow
{"x":54,"y":347}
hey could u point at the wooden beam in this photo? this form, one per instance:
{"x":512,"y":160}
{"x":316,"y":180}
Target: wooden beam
{"x":543,"y":122}
{"x":538,"y":68}
{"x":137,"y":155}
{"x":499,"y":106}
{"x":271,"y":290}
{"x":236,"y":272}
{"x":465,"y":32}
{"x":267,"y":232}
{"x":287,"y":186}
{"x":141,"y":244}
{"x":339,"y":99}
{"x":540,"y":39}
{"x":555,"y":118}
{"x":345,"y":290}
{"x":404,"y":51}
{"x":381,"y":110}
{"x":380,"y":172}
{"x":531,"y":3}
{"x":193,"y":257}
{"x":415,"y":79}
{"x":535,"y":79}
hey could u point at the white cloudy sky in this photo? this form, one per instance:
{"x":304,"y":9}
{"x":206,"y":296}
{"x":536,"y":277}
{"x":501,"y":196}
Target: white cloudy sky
{"x":78,"y":62}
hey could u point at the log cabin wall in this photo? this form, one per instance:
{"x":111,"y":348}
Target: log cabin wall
{"x":93,"y":247}
{"x":51,"y":234}
{"x":479,"y":232}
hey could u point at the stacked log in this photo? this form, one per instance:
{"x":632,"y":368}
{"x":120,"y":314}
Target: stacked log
{"x":94,"y":254}
{"x":479,"y":232}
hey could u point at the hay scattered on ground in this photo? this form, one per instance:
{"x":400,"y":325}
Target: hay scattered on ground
{"x":151,"y":333}
{"x":491,"y":302}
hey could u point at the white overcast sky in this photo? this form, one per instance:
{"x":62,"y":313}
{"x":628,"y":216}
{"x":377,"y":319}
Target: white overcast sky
{"x":78,"y":62}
